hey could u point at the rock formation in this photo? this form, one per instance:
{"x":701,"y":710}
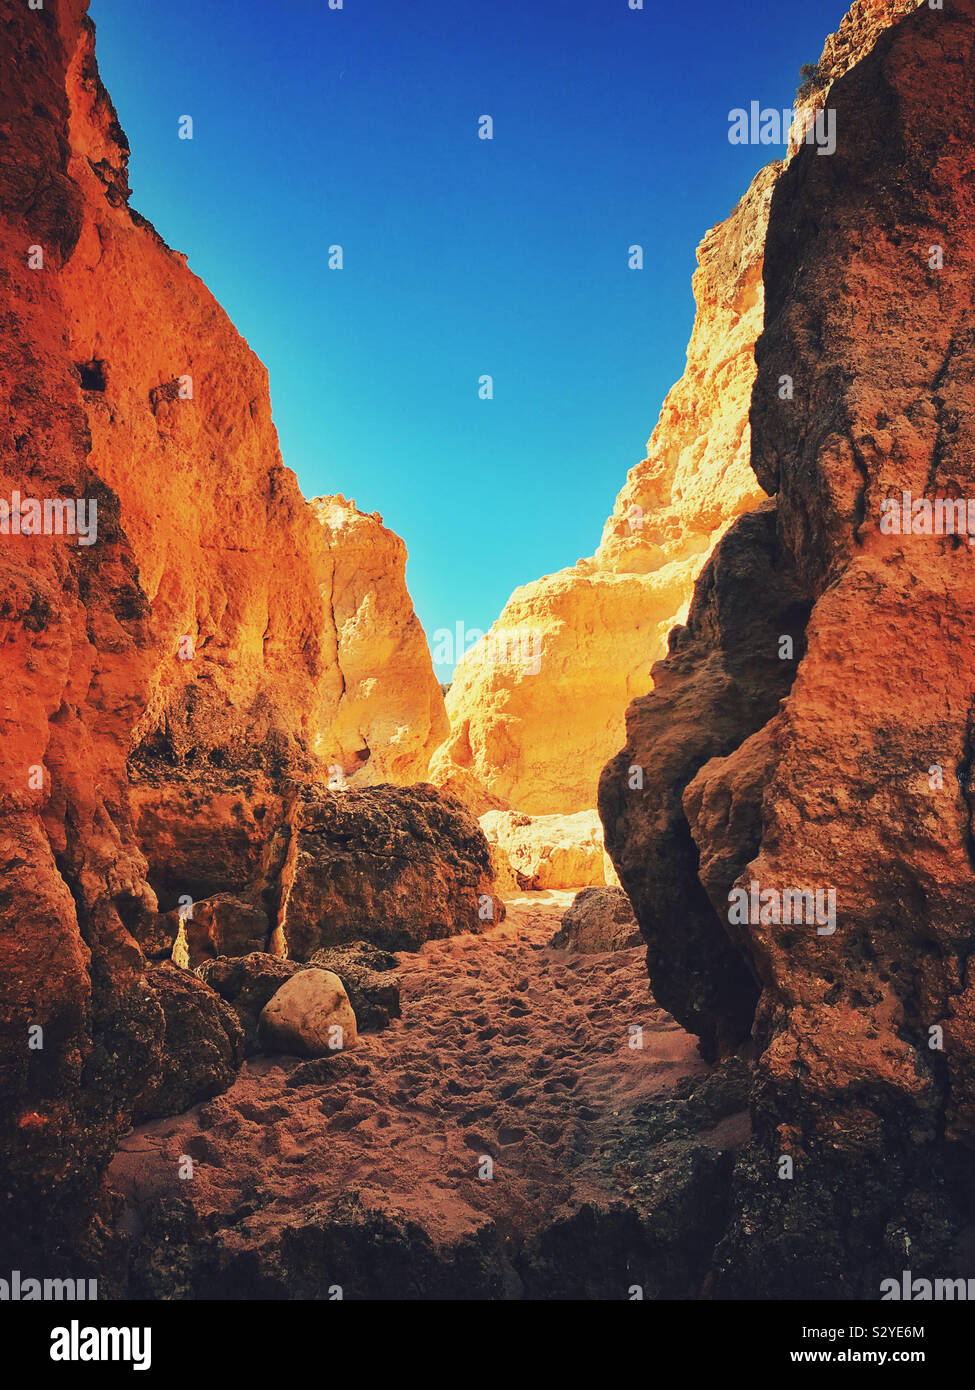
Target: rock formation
{"x":536,"y":708}
{"x":600,"y":919}
{"x":394,"y":866}
{"x":180,"y":693}
{"x":390,"y":717}
{"x":247,"y":983}
{"x":856,"y":785}
{"x":542,"y":852}
{"x":173,"y":662}
{"x":366,"y":972}
{"x":201,"y":1048}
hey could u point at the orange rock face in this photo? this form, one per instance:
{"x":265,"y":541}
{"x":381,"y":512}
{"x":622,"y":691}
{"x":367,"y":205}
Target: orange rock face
{"x":533,"y":733}
{"x":77,"y":641}
{"x":858,"y":787}
{"x":228,"y":550}
{"x":390,"y":716}
{"x":167,"y":684}
{"x":537,"y":707}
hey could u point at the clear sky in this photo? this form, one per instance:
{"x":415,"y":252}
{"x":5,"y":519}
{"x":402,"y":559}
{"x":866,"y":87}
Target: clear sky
{"x":462,"y":257}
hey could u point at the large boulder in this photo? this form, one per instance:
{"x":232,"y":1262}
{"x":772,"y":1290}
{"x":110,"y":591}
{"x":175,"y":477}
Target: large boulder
{"x":309,"y":1016}
{"x":202,"y":1048}
{"x":599,"y":919}
{"x":543,"y":852}
{"x":396,"y":866}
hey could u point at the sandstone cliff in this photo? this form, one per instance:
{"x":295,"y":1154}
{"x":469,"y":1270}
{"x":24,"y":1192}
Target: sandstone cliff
{"x":531,"y":732}
{"x":170,"y":687}
{"x":858,"y":783}
{"x":390,"y":716}
{"x":537,"y":706}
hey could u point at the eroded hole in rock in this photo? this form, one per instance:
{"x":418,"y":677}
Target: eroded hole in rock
{"x":91,"y":374}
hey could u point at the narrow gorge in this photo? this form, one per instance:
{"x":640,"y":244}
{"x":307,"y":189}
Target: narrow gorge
{"x":633,"y":965}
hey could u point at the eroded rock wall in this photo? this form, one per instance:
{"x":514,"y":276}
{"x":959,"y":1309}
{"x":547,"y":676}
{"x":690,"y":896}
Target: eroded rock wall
{"x":168,"y":686}
{"x":858,"y":785}
{"x":537,"y":706}
{"x":78,"y":656}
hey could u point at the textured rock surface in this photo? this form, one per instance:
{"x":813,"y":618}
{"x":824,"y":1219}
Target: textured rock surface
{"x":394,"y":866}
{"x":722,"y":682}
{"x":202,"y":638}
{"x":391,"y":716}
{"x":600,"y":919}
{"x":247,"y":983}
{"x":195,"y":637}
{"x":202,"y":1046}
{"x":224,"y":925}
{"x":309,"y":1016}
{"x":860,"y":782}
{"x":549,"y":851}
{"x":76,"y":637}
{"x":366,"y":972}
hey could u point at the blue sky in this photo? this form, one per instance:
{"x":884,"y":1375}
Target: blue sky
{"x":462,"y":257}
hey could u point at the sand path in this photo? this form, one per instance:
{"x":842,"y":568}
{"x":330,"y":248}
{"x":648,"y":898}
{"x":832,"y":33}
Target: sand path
{"x":506,"y":1051}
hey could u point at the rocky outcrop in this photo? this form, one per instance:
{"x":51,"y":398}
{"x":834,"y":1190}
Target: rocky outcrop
{"x":172,"y":658}
{"x":721,"y":683}
{"x":393,"y":866}
{"x":390,"y":716}
{"x":856,"y":786}
{"x":76,"y":631}
{"x":224,"y":925}
{"x":536,"y":708}
{"x":543,"y":852}
{"x":599,"y":919}
{"x":202,"y":1045}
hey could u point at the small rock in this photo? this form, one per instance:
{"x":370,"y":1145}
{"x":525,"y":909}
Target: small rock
{"x":309,"y":1016}
{"x":599,"y":919}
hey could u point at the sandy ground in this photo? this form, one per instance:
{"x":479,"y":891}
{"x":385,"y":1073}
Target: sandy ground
{"x":506,"y":1050}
